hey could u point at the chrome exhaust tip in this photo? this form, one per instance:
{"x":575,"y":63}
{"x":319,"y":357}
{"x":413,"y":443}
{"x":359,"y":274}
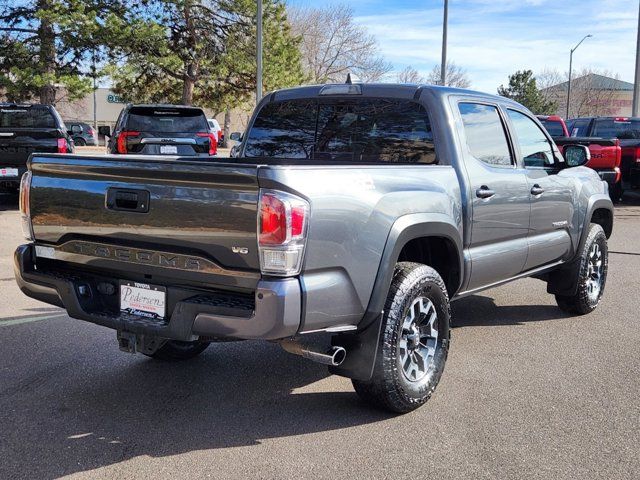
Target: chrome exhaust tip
{"x":334,"y":357}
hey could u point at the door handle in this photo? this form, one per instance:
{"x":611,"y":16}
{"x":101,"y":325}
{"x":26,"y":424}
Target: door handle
{"x":484,"y":192}
{"x":537,"y":190}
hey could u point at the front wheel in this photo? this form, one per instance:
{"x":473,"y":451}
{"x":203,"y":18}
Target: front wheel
{"x":592,"y":274}
{"x":414,"y":342}
{"x":174,"y":350}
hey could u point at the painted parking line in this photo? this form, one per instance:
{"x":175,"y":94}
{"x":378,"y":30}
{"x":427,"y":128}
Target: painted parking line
{"x":18,"y":321}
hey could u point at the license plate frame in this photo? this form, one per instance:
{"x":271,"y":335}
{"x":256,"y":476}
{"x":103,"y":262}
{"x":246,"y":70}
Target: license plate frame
{"x":8,"y":172}
{"x":143,"y":300}
{"x":169,"y":149}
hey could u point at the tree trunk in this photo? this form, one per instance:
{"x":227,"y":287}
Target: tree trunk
{"x":227,"y":127}
{"x":191,"y":69}
{"x":47,"y":39}
{"x":188,"y":85}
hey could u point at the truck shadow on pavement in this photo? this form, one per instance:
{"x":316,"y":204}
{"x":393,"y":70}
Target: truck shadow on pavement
{"x":88,"y":413}
{"x":478,"y":310}
{"x":8,"y":201}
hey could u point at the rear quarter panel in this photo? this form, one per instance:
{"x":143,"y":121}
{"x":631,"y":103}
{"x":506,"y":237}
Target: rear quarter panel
{"x":353,"y":209}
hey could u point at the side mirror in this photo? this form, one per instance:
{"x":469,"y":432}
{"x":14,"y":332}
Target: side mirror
{"x":104,"y":130}
{"x":576,"y":155}
{"x":76,"y":129}
{"x":236,"y":136}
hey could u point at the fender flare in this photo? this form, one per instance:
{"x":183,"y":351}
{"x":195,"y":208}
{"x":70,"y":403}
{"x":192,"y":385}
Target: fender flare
{"x":563,"y":281}
{"x":362,"y":346}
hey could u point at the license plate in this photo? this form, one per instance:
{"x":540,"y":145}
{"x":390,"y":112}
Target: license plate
{"x":8,"y":172}
{"x":168,"y":149}
{"x":143,"y":300}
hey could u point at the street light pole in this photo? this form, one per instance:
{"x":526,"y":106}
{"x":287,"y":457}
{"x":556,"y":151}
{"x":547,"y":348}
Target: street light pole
{"x":635,"y":112}
{"x":259,"y":53}
{"x":443,"y":66}
{"x":570,"y":68}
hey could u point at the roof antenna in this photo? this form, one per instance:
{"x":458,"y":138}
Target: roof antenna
{"x":352,"y":78}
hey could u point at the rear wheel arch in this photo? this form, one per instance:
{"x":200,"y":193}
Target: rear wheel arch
{"x":419,"y":238}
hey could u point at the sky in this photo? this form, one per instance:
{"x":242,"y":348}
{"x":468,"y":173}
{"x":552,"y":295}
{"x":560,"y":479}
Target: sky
{"x":492,"y":39}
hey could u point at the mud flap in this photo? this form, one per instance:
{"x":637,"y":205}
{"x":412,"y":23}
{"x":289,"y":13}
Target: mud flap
{"x":362,"y":349}
{"x":564,"y":281}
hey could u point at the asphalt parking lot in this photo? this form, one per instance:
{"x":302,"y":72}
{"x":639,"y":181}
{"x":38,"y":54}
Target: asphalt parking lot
{"x":527,"y":393}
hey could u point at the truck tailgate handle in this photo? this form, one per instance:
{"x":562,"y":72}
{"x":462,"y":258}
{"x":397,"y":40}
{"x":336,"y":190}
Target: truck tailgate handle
{"x":127,"y":200}
{"x":484,"y":192}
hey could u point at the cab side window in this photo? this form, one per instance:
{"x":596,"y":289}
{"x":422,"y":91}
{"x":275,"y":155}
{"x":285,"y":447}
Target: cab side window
{"x":486,"y":137}
{"x":534,"y":145}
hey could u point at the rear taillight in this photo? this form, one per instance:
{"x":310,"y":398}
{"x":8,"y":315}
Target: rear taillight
{"x":62,"y":145}
{"x":122,"y":140}
{"x":213,"y":143}
{"x":25,"y":208}
{"x":282,"y":232}
{"x":90,"y":132}
{"x":638,"y":155}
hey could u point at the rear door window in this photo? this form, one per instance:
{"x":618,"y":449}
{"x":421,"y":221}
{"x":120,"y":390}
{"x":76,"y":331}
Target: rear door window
{"x":166,"y":120}
{"x":26,"y":117}
{"x":364,"y":130}
{"x":486,"y":137}
{"x":580,"y":127}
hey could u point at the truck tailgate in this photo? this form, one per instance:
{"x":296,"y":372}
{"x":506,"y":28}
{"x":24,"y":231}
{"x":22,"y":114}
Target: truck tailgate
{"x":201,"y":209}
{"x":16,"y":144}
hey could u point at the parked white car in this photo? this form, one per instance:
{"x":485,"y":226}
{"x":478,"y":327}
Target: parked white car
{"x":215,"y":128}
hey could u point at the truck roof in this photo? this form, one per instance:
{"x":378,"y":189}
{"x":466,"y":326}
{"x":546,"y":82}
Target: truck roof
{"x":393,"y":90}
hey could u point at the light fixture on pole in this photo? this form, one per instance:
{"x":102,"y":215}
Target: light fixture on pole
{"x":570,"y":68}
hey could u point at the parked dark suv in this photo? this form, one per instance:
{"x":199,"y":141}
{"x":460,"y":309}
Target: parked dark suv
{"x":82,"y":133}
{"x":25,"y":129}
{"x":163,"y":130}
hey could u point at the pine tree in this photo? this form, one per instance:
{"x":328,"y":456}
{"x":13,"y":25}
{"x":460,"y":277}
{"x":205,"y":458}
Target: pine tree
{"x":523,"y":89}
{"x":48,"y":44}
{"x":192,"y":52}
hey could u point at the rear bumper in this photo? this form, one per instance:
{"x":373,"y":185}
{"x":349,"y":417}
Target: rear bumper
{"x":609,"y":176}
{"x":12,"y":181}
{"x":272,"y":312}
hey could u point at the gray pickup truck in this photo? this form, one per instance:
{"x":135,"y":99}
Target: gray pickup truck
{"x":353,"y":216}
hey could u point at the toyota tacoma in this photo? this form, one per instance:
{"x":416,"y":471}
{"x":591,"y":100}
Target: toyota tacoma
{"x":355,"y":211}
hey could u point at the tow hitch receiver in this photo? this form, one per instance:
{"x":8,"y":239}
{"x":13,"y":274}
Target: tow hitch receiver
{"x":127,"y":342}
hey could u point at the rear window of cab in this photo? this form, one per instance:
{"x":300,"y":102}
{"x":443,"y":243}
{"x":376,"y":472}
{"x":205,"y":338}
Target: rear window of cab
{"x":350,"y":130}
{"x":167,"y":120}
{"x":27,"y":117}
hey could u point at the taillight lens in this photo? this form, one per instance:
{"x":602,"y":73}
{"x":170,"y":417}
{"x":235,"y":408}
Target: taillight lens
{"x":213,"y":143}
{"x":122,"y":140}
{"x":25,"y":208}
{"x":282,"y":232}
{"x":638,"y":155}
{"x":62,"y":145}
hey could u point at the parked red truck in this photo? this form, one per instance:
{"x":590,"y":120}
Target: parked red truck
{"x":605,"y":149}
{"x":626,"y":130}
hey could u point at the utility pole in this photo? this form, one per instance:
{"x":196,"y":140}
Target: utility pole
{"x":259,"y":53}
{"x":443,"y":66}
{"x":95,"y":113}
{"x":635,"y":112}
{"x":570,"y":68}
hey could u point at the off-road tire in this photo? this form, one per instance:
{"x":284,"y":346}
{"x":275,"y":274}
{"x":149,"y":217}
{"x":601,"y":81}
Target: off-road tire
{"x":581,"y":303}
{"x":389,"y":388}
{"x":174,"y":350}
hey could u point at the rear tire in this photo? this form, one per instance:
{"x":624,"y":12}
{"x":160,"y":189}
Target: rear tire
{"x":592,"y":275}
{"x":174,"y":350}
{"x":414,"y":342}
{"x":79,"y":142}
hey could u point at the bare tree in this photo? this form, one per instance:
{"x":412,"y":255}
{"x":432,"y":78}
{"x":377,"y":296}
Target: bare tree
{"x":334,"y":45}
{"x":593,"y":92}
{"x":410,"y":75}
{"x":455,"y":76}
